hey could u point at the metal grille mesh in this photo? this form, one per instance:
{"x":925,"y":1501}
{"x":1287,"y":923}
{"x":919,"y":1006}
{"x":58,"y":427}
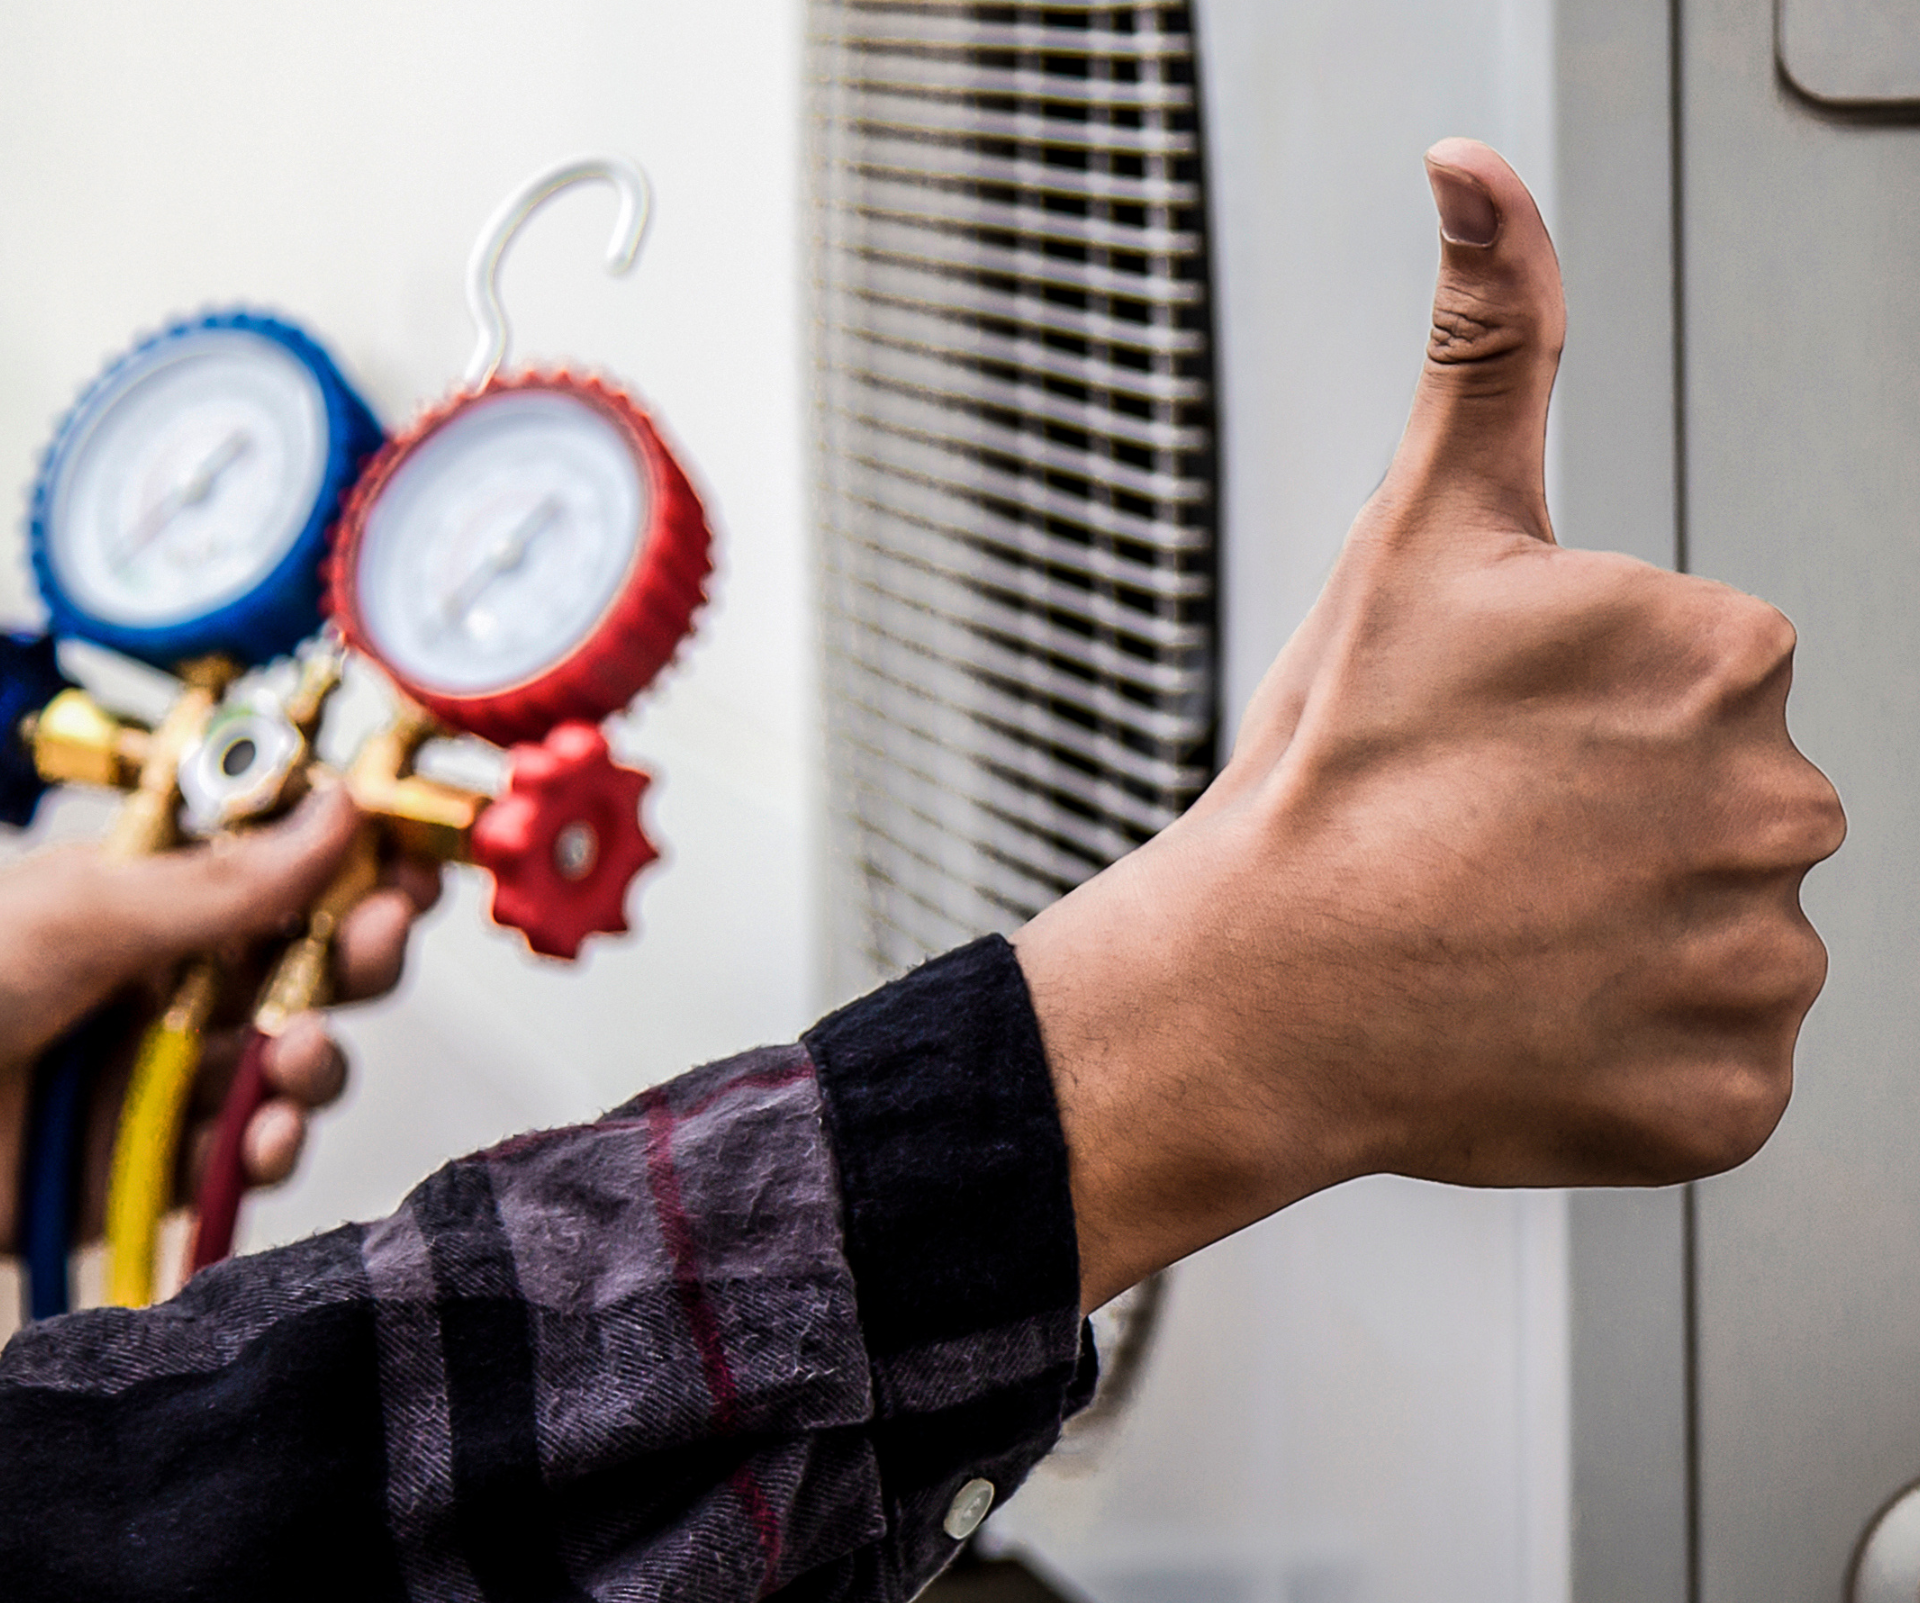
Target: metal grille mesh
{"x":1015,"y":471}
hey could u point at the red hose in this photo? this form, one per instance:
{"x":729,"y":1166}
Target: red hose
{"x":225,"y":1181}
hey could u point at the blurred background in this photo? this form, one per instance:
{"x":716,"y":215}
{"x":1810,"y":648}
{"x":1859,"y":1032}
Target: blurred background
{"x":1032,"y":360}
{"x":337,"y":166}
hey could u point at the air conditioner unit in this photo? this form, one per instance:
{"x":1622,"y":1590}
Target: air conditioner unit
{"x":1017,"y":469}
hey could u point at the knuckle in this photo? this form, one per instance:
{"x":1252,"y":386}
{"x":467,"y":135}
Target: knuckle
{"x":1771,"y":967}
{"x":1470,"y":331}
{"x":1833,"y":821}
{"x":1796,"y":821}
{"x":1798,"y":967}
{"x":1770,"y":639}
{"x":1739,"y":1105}
{"x":1769,"y":632}
{"x":1791,"y":819}
{"x":1723,"y":659}
{"x":1813,"y":975}
{"x":1747,"y":999}
{"x":1754,"y":645}
{"x":1766,"y":968}
{"x":1818,"y":821}
{"x":1783,"y":636}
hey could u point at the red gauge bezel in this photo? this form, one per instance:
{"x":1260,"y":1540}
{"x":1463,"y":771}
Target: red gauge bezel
{"x":635,"y":637}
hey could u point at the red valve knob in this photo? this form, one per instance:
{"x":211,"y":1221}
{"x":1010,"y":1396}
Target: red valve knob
{"x":564,"y":842}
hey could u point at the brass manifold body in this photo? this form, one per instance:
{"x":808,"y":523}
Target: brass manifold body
{"x":253,"y":758}
{"x":75,"y":741}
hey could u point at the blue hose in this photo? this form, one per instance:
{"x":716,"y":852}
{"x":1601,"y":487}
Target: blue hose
{"x":56,"y":1138}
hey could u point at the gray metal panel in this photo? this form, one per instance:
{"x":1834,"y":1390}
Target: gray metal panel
{"x":1627,"y":1321}
{"x":1615,"y":488}
{"x":1852,"y":52}
{"x":1802,"y":241}
{"x":1613,"y":408}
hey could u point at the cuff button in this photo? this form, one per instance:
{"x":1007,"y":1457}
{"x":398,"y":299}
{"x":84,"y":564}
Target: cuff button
{"x":968,"y":1508}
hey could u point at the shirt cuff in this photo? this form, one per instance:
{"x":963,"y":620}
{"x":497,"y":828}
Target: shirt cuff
{"x":960,"y":1235}
{"x":952,"y":1163}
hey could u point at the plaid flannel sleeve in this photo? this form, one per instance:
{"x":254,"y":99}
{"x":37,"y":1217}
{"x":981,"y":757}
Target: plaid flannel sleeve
{"x":749,"y":1335}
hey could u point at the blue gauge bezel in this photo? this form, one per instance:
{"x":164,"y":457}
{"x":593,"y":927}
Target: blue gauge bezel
{"x":30,"y":677}
{"x":283,"y":608}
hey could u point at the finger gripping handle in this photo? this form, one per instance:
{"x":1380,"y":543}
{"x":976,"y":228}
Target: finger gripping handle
{"x":564,"y":841}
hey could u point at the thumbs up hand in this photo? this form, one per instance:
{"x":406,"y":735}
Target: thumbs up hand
{"x":1501,"y":883}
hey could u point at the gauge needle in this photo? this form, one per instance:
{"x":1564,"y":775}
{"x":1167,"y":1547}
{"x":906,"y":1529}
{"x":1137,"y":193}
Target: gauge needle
{"x":190,"y":491}
{"x":503,"y":556}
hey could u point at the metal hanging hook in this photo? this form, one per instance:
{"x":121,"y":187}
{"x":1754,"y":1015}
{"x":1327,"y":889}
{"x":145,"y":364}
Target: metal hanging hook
{"x":483,"y":267}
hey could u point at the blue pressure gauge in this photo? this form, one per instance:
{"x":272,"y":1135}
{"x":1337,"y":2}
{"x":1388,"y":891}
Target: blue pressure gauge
{"x":184,"y":504}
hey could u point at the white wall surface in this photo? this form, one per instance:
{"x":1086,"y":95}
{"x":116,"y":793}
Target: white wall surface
{"x":335,"y":162}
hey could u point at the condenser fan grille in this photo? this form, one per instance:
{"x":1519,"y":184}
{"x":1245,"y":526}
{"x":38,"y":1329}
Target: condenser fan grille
{"x":1015,"y":475}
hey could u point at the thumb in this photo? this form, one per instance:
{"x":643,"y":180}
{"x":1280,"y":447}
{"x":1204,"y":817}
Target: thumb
{"x":153,"y":911}
{"x":1477,"y":435}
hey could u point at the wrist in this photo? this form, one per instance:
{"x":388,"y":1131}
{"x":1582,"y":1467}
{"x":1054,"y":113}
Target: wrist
{"x":1176,"y":1036}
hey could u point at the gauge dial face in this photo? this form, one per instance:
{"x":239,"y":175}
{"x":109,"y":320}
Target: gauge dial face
{"x":500,"y":541}
{"x":188,"y":479}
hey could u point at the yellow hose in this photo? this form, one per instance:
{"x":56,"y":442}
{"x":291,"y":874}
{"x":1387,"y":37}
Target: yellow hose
{"x":147,"y":1141}
{"x":147,"y":1144}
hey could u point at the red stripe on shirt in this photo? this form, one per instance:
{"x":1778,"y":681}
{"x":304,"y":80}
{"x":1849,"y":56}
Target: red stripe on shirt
{"x":676,"y":1232}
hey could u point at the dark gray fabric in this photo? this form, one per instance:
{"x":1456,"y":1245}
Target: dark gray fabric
{"x":621,"y":1361}
{"x":959,"y":1217}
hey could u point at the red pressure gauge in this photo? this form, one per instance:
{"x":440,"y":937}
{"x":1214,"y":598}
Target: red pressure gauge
{"x":522,"y":561}
{"x":523,"y":555}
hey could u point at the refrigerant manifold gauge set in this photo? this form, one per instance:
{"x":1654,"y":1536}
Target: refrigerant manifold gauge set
{"x":519,"y":562}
